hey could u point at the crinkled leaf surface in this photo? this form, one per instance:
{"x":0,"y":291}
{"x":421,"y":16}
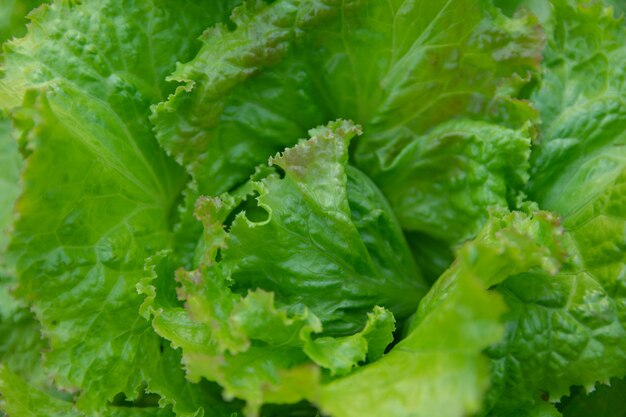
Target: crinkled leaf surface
{"x":99,"y":195}
{"x":561,"y":330}
{"x":583,"y":122}
{"x":21,"y":342}
{"x":396,"y":67}
{"x":442,"y":183}
{"x":19,"y":398}
{"x":218,"y":125}
{"x":327,"y":247}
{"x":281,"y":305}
{"x":567,"y":329}
{"x":428,"y":367}
{"x":328,"y":222}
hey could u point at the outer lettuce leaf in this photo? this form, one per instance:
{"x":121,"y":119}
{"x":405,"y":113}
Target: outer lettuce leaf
{"x":568,"y":329}
{"x":439,"y":71}
{"x":583,"y":121}
{"x":24,"y":400}
{"x":21,"y":343}
{"x":20,"y":336}
{"x":98,"y":194}
{"x":401,"y":68}
{"x":20,"y":399}
{"x":428,"y":368}
{"x":562,"y":330}
{"x":398,"y":68}
{"x":230,"y":115}
{"x":327,"y":247}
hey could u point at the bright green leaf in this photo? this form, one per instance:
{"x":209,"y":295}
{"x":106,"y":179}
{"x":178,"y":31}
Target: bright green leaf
{"x":99,"y":194}
{"x":568,"y":329}
{"x":326,"y":245}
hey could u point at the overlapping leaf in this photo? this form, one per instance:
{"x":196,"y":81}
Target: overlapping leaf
{"x":398,"y":68}
{"x":301,"y":274}
{"x":442,"y":183}
{"x":99,"y":195}
{"x":20,"y":336}
{"x":326,"y":245}
{"x":568,"y":329}
{"x":428,"y":367}
{"x":19,"y":398}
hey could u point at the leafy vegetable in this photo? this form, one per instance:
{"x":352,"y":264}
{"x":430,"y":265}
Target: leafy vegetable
{"x":325,"y":245}
{"x":449,"y":240}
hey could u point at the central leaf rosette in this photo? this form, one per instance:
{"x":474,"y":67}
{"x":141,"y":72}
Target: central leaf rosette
{"x":299,"y":274}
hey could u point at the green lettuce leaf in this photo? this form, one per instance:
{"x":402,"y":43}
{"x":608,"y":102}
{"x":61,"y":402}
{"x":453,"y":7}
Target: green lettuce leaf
{"x":12,"y":17}
{"x":328,"y":221}
{"x":218,"y":125}
{"x":429,"y":367}
{"x":291,"y":282}
{"x":21,"y":342}
{"x":21,"y":346}
{"x":398,"y":68}
{"x":562,"y":329}
{"x":568,"y":329}
{"x":583,"y":121}
{"x":99,"y":195}
{"x":12,"y":24}
{"x":19,"y":398}
{"x":442,"y":183}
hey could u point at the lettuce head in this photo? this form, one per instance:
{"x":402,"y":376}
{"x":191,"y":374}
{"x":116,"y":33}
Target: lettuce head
{"x":306,"y":208}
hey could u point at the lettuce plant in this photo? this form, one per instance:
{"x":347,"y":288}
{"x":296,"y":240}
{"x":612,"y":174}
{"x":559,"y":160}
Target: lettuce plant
{"x":312,"y":208}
